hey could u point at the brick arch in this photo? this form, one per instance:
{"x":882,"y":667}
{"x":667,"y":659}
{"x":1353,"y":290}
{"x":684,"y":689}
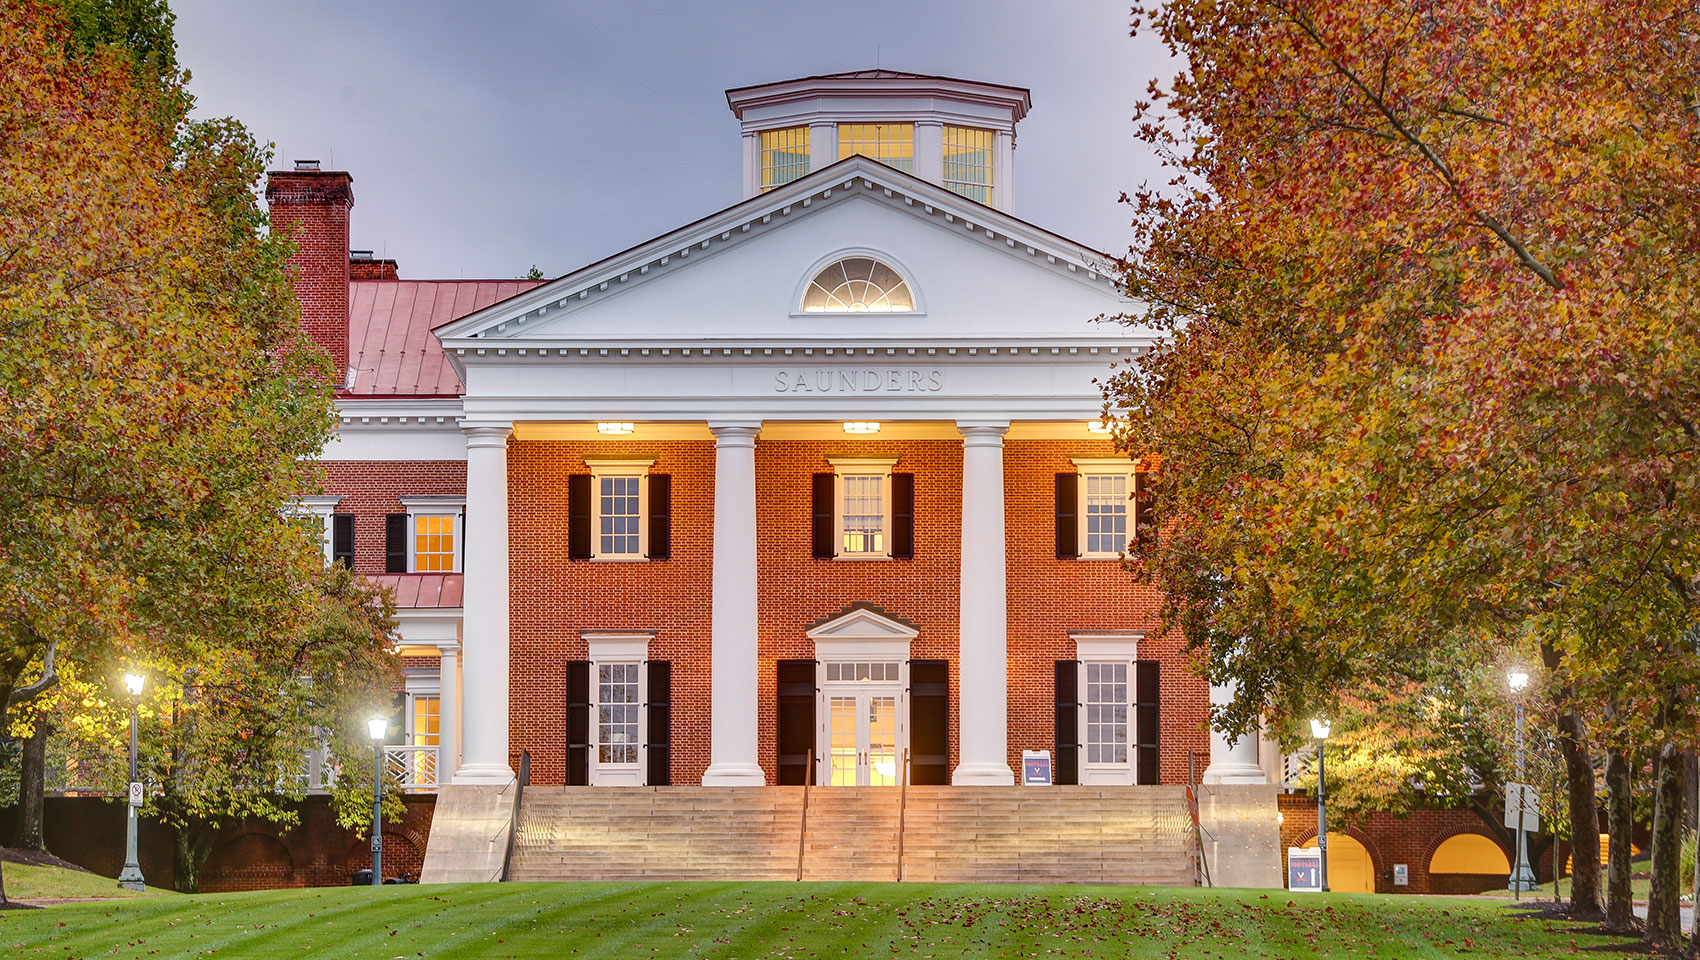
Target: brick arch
{"x":1465,"y":883}
{"x":1375,"y":864}
{"x":254,"y":859}
{"x":1435,"y":842}
{"x":403,"y":851}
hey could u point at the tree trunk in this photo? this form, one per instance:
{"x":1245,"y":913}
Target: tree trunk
{"x":6,"y":687}
{"x":1664,"y":919}
{"x":1620,"y":819}
{"x":190,"y":848}
{"x":1691,"y":795}
{"x":1584,"y":817}
{"x":32,"y":788}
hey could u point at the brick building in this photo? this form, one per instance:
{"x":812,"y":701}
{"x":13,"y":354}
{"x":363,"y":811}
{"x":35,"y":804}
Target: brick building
{"x":811,"y":489}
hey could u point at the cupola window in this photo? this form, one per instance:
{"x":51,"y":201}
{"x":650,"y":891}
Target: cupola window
{"x":892,"y":144}
{"x":858,"y":285}
{"x":784,"y":155}
{"x":968,"y":162}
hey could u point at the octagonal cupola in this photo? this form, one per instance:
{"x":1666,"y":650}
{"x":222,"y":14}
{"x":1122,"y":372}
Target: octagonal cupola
{"x":959,"y":134}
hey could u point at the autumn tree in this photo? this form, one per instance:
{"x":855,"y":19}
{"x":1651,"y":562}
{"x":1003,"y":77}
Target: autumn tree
{"x":161,"y":405}
{"x":1427,"y":274}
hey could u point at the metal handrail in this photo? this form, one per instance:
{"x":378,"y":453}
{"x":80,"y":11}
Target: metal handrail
{"x":803,"y":828}
{"x":902,"y":812}
{"x":513,"y":823}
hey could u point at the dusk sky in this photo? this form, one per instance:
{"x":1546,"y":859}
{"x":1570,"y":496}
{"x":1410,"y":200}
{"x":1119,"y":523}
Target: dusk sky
{"x":487,"y":137}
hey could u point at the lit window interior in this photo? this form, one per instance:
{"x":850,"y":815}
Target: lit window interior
{"x":858,"y":285}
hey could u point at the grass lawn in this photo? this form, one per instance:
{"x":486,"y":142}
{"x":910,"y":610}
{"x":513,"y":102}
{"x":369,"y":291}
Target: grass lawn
{"x":1638,"y":887}
{"x":29,"y":882}
{"x":783,"y":920}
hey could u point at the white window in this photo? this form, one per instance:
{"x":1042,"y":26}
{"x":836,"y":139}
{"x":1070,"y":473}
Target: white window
{"x":319,"y":510}
{"x":618,"y":726}
{"x":1106,"y":507}
{"x":433,"y":533}
{"x":862,"y":497}
{"x":1106,"y":719}
{"x":619,"y":509}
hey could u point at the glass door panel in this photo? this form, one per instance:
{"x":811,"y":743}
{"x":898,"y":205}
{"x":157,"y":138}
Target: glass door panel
{"x":882,"y":740}
{"x":844,"y":751}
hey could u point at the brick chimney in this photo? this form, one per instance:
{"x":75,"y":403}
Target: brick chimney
{"x":363,"y":266}
{"x":311,"y":207}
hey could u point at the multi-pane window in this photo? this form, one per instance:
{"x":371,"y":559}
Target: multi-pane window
{"x":784,"y":155}
{"x":1106,"y":514}
{"x":968,"y":162}
{"x":858,"y":285}
{"x":617,"y":708}
{"x":620,"y":516}
{"x":892,"y":144}
{"x":433,"y":543}
{"x":1106,"y":707}
{"x":863,"y":526}
{"x":427,"y":713}
{"x":874,"y":671}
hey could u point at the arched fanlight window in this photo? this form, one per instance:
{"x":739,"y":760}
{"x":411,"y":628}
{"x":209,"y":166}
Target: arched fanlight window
{"x":858,"y":285}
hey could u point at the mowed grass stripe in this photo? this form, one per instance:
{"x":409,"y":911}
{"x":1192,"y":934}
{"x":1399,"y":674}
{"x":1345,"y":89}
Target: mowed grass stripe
{"x":810,"y":921}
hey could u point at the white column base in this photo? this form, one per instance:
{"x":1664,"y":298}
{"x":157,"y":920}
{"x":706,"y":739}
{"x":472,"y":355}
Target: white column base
{"x":982,"y":775}
{"x":1234,"y":773}
{"x":494,"y":773}
{"x":734,"y":775}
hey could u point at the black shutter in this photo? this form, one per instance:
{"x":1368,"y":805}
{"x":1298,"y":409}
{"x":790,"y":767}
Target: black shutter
{"x":395,"y":543}
{"x":578,"y":516}
{"x":660,"y":516}
{"x":929,"y":722}
{"x":796,"y":720}
{"x":1144,"y":507}
{"x":823,"y":516}
{"x":578,"y":723}
{"x":342,"y":539}
{"x":1065,"y":767}
{"x":1146,"y":693}
{"x":903,"y":516}
{"x":1068,"y":520}
{"x":660,"y":716}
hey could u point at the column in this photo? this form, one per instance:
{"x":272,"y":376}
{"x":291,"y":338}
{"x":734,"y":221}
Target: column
{"x":484,"y":623}
{"x":1231,"y":761}
{"x":1003,"y":172}
{"x":929,"y":151}
{"x":984,"y":621}
{"x":752,"y":165}
{"x":448,"y":712}
{"x":823,"y":145}
{"x":733,"y":760}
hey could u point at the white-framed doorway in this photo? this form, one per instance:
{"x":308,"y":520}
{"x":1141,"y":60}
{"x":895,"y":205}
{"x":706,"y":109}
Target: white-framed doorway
{"x":862,"y":699}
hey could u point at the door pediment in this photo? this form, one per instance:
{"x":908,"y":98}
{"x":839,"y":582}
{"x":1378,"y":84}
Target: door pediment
{"x":862,"y":621}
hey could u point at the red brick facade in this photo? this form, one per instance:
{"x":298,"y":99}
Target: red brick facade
{"x":311,"y":207}
{"x":372,"y":489}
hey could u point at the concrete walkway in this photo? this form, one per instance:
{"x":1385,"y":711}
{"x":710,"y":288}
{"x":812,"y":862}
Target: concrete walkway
{"x":1687,"y":915}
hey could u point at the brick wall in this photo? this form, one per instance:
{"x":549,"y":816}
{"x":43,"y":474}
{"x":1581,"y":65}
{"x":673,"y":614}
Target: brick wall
{"x":248,"y":854}
{"x":554,"y":598}
{"x":1409,"y":840}
{"x":372,"y":489}
{"x":312,"y":208}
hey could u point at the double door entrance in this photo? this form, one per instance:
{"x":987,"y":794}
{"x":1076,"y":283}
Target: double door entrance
{"x":863,"y":730}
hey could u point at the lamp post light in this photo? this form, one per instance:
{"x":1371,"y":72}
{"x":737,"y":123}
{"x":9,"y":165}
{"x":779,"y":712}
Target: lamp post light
{"x":1319,"y":729}
{"x":377,"y":727}
{"x":1522,"y":878}
{"x":130,"y":878}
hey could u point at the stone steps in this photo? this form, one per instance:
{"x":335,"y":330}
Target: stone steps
{"x":949,"y":834}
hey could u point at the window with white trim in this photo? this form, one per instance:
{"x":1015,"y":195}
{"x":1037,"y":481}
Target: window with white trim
{"x":320,"y":510}
{"x":1106,"y":507}
{"x":433,"y":533}
{"x":619,"y":509}
{"x":862,"y":499}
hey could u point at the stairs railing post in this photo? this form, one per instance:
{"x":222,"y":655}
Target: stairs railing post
{"x":513,"y":822}
{"x":803,"y":825}
{"x":902,"y":812}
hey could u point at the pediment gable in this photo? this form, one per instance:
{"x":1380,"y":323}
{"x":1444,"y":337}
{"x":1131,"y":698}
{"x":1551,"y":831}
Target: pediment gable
{"x":757,"y":244}
{"x":862,"y":621}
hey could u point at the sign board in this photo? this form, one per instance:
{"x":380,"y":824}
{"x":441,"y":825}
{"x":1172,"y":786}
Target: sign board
{"x":1522,"y":800}
{"x":1304,"y":869}
{"x":377,"y":842}
{"x":1401,"y":875}
{"x":1035,"y":768}
{"x":135,"y":794}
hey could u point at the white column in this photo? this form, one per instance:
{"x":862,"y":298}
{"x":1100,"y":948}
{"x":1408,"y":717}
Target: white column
{"x":752,"y":165}
{"x":1231,"y":761}
{"x":448,"y":712}
{"x":733,"y":760}
{"x":1003,"y":172}
{"x":484,"y":630}
{"x":984,"y":621}
{"x":823,"y":145}
{"x":929,"y":151}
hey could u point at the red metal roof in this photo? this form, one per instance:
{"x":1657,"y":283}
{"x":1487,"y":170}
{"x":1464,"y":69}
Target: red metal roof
{"x":415,"y":591}
{"x":389,"y":332}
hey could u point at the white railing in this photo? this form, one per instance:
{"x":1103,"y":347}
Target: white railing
{"x":413,"y":768}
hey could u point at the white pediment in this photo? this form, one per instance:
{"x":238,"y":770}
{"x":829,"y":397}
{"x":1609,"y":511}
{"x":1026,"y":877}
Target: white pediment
{"x":979,"y":274}
{"x":862,"y":622}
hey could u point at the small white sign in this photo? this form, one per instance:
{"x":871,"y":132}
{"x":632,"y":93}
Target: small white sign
{"x":1304,"y":869}
{"x":1401,"y":875}
{"x":377,"y":842}
{"x":1521,"y":801}
{"x":135,"y":794}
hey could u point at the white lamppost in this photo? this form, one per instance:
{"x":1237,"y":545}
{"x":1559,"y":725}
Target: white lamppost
{"x":1522,"y":878}
{"x":377,"y":727}
{"x":130,"y":878}
{"x":1319,"y":729}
